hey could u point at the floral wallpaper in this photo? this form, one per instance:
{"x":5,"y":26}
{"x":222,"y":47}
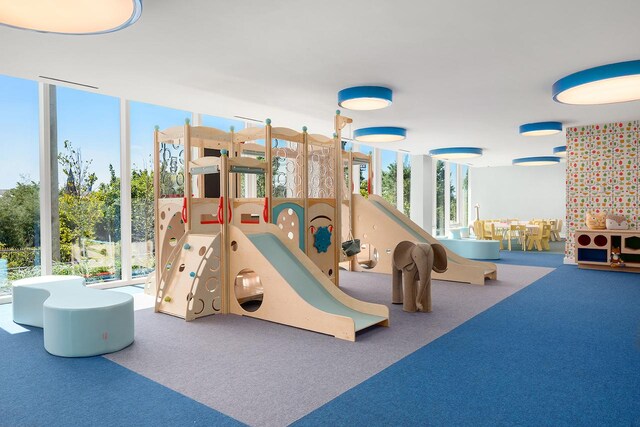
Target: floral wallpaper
{"x":602,"y":174}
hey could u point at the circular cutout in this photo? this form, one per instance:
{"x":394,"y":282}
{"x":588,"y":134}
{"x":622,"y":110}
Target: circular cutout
{"x":290,"y":211}
{"x":181,"y":268}
{"x":215,"y":263}
{"x":162,"y":215}
{"x":215,"y":304}
{"x":202,"y":250}
{"x":600,"y":240}
{"x":330,"y":272}
{"x":584,"y":240}
{"x":161,"y":227}
{"x":368,"y":257}
{"x":212,"y":284}
{"x":248,"y":290}
{"x":290,"y":235}
{"x":234,"y":246}
{"x":173,"y":241}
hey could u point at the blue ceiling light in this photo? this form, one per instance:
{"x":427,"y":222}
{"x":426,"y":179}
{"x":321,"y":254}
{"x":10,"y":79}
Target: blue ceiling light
{"x":365,"y":97}
{"x":456,"y":153}
{"x":560,"y":151}
{"x":540,"y":128}
{"x":536,"y":161}
{"x":607,"y":84}
{"x":70,"y":16}
{"x":380,"y":134}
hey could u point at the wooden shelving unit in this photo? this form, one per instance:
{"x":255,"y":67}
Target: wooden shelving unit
{"x":593,"y":249}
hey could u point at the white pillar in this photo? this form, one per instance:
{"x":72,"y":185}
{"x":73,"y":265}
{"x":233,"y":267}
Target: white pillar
{"x":422,"y":190}
{"x":125,"y":191}
{"x":46,"y":97}
{"x":399,"y":182}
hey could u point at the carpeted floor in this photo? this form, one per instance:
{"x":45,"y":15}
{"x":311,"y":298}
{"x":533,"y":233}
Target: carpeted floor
{"x":268,"y":374}
{"x":564,"y":351}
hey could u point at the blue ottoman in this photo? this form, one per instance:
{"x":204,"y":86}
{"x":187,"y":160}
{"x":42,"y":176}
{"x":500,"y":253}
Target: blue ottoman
{"x":77,"y":321}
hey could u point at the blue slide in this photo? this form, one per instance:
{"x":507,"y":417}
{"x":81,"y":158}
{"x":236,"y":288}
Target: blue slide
{"x":304,"y":283}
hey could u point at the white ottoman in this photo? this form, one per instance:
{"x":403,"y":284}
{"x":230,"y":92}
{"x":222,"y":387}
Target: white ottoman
{"x":77,"y":321}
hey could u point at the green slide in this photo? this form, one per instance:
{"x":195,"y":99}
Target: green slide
{"x":304,"y":283}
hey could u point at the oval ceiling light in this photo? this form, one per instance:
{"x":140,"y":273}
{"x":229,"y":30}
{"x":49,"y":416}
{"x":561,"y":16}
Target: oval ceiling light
{"x":540,"y":128}
{"x":70,"y":16}
{"x":365,"y":97}
{"x":455,"y":153}
{"x":607,"y":84}
{"x":380,"y":134}
{"x":536,"y":161}
{"x":560,"y":151}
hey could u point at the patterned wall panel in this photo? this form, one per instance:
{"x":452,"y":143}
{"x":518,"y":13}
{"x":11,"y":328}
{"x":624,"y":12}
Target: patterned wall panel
{"x":602,"y":174}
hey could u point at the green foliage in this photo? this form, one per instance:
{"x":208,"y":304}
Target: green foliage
{"x":20,"y":215}
{"x":142,"y":206}
{"x":389,"y":185}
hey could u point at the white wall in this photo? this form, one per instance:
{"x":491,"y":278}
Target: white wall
{"x":518,"y":192}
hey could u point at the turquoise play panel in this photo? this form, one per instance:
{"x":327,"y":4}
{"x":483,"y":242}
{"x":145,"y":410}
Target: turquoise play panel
{"x":473,"y":249}
{"x":299,"y":210}
{"x":303,"y":282}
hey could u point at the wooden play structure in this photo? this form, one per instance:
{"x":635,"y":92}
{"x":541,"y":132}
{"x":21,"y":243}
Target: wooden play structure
{"x":247,"y":223}
{"x":380,"y":227}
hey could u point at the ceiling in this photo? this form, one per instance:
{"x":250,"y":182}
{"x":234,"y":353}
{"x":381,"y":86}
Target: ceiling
{"x":464,"y":73}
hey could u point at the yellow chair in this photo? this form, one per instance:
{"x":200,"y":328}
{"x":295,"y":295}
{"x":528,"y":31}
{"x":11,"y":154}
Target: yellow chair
{"x":491,"y":234}
{"x":539,"y":237}
{"x":478,"y":229}
{"x":518,"y":232}
{"x":546,"y":236}
{"x":555,"y":231}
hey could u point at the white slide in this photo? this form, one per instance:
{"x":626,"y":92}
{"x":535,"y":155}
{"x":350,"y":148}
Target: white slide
{"x":381,"y":225}
{"x":296,"y":291}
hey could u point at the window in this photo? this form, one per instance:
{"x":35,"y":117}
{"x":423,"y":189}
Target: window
{"x":440,"y":193}
{"x":464,"y":196}
{"x":389,"y":176}
{"x":364,"y":171}
{"x":143,"y":118}
{"x":88,"y":178}
{"x":19,"y":182}
{"x":406,"y":174}
{"x":453,"y":193}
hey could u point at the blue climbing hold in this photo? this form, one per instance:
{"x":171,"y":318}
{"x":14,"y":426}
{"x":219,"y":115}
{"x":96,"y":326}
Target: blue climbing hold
{"x":187,"y":246}
{"x":322,"y":239}
{"x":192,"y":274}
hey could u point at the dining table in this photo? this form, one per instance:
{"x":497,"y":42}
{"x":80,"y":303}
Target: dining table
{"x":504,"y":227}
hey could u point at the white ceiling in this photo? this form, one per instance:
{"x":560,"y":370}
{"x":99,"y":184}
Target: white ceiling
{"x":464,"y":73}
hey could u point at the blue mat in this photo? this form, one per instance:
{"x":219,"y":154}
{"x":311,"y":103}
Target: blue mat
{"x":43,"y":390}
{"x":563,"y":351}
{"x":534,"y":259}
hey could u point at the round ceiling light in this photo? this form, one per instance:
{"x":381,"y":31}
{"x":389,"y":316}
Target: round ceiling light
{"x":536,"y":161}
{"x":456,"y":153}
{"x":70,"y":16}
{"x":365,"y":98}
{"x":607,"y":84}
{"x":560,"y":151}
{"x":380,"y":134}
{"x":540,"y":128}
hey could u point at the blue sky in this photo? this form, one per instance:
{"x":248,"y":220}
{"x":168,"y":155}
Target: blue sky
{"x":92,"y":123}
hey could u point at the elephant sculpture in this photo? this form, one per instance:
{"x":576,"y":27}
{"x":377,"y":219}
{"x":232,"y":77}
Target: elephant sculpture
{"x":412,"y":263}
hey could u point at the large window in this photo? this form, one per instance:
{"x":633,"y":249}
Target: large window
{"x":464,"y":195}
{"x":440,"y":194}
{"x":406,"y":179}
{"x":88,"y":182}
{"x":453,"y":193}
{"x":143,"y":118}
{"x":389,"y":176}
{"x":19,"y":182}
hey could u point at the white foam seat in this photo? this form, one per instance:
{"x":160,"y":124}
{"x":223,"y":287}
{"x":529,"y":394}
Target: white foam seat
{"x":77,"y":321}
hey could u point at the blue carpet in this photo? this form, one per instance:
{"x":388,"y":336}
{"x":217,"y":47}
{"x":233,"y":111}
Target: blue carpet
{"x":38,"y":389}
{"x":563,"y":351}
{"x":535,"y":259}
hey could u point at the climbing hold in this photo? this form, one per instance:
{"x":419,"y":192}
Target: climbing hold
{"x":322,"y":239}
{"x":187,"y":246}
{"x":192,"y":274}
{"x":167,"y":299}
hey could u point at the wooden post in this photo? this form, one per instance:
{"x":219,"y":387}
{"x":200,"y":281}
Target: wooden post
{"x":187,"y":172}
{"x":337,"y":179}
{"x":156,"y":198}
{"x":305,"y":187}
{"x":225,"y":253}
{"x":268,"y":176}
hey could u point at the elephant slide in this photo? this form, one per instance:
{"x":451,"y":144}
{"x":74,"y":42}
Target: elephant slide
{"x":412,"y":264}
{"x":381,"y":227}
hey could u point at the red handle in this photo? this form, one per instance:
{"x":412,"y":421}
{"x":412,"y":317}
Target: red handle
{"x":220,"y":205}
{"x":265,"y":211}
{"x":184,"y":210}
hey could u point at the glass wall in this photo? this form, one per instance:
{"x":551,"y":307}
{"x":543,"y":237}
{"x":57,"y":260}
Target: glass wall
{"x":389,"y":175}
{"x":88,"y":179}
{"x":464,"y":196}
{"x":453,"y":193}
{"x":406,"y":176}
{"x":364,"y":171}
{"x":19,"y":182}
{"x":440,"y":194}
{"x":142,"y":120}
